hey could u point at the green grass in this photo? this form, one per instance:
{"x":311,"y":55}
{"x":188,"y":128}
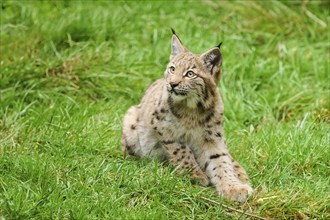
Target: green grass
{"x":70,"y":70}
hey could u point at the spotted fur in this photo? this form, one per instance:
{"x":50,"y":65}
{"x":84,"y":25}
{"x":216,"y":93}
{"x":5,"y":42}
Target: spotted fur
{"x":180,"y":119}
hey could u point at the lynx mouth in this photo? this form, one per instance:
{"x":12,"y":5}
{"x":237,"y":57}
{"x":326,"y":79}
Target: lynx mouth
{"x":178,"y":92}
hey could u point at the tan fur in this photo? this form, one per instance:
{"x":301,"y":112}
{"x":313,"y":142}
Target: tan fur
{"x":180,"y":119}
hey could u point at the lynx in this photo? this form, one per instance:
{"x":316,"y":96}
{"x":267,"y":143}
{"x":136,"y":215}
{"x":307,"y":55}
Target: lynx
{"x":180,"y":120}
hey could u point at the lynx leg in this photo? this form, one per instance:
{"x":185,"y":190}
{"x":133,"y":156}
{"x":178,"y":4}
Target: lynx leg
{"x":221,"y":170}
{"x":240,"y":172}
{"x":182,"y":157}
{"x":130,"y":138}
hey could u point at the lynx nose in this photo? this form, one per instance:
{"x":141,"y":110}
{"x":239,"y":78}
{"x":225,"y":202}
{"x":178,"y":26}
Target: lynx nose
{"x":174,"y":84}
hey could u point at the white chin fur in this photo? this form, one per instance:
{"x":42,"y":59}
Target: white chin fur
{"x":178,"y":98}
{"x":191,"y":101}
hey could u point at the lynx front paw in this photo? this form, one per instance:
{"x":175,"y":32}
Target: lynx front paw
{"x":201,"y":178}
{"x":238,"y":193}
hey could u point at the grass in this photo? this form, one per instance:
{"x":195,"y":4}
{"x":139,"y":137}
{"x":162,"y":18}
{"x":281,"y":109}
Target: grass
{"x":70,"y":70}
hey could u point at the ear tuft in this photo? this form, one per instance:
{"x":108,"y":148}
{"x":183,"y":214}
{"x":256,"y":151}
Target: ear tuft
{"x":173,"y":31}
{"x":219,"y":45}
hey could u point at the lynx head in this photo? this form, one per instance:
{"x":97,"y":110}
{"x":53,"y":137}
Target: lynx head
{"x":192,"y":78}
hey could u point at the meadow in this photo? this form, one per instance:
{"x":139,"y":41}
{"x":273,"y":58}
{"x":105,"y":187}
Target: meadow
{"x":69,"y":70}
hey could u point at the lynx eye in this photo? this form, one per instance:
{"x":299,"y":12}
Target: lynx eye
{"x":172,"y":69}
{"x":190,"y":74}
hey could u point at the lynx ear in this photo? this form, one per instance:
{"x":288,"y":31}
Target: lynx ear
{"x":212,"y":60}
{"x":177,"y":46}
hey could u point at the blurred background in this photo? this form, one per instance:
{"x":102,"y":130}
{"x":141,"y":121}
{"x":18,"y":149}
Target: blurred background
{"x":102,"y":50}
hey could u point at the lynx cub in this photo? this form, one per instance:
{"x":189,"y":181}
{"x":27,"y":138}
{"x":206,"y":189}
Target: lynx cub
{"x":180,"y":119}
